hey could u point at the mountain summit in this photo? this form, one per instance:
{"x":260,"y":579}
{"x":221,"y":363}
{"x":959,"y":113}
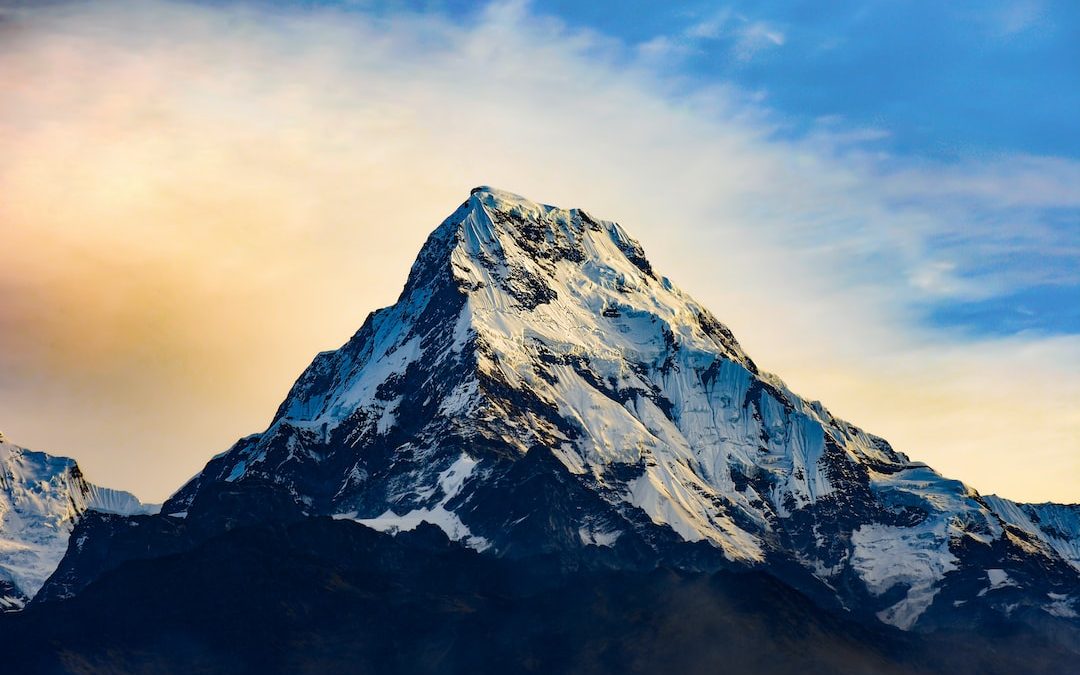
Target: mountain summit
{"x":538,"y":388}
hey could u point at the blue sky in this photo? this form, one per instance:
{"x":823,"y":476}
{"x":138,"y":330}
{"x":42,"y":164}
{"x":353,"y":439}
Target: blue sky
{"x":946,"y":79}
{"x":942,"y":81}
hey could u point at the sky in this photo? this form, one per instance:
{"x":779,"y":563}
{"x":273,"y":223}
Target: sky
{"x":882,"y":200}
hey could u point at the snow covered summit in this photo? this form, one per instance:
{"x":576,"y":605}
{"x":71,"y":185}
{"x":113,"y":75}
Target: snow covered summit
{"x":539,"y":387}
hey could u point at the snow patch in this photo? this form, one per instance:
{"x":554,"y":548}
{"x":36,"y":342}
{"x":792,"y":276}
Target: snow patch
{"x":450,"y":482}
{"x":591,"y":537}
{"x":885,"y":556}
{"x":999,"y":579}
{"x":388,"y":418}
{"x":237,"y":471}
{"x":1062,"y":606}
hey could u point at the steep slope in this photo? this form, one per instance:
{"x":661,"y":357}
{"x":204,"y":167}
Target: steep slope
{"x":42,"y":497}
{"x":539,"y":387}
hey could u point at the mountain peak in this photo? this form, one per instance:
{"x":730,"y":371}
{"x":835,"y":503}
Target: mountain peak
{"x":487,"y":193}
{"x":538,"y":387}
{"x":544,"y":230}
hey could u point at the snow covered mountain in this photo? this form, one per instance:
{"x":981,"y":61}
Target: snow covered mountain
{"x":539,"y":388}
{"x":42,"y":497}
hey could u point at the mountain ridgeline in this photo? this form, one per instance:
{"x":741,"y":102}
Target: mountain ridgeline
{"x":540,"y":393}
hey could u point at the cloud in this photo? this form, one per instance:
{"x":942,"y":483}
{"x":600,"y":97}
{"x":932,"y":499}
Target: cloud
{"x":747,"y":36}
{"x":198,"y":198}
{"x":662,"y":49}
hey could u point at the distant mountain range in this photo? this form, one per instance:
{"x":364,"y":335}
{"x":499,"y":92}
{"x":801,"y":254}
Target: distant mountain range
{"x":541,"y":395}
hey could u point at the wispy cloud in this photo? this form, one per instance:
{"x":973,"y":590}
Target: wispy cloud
{"x":742,"y":39}
{"x":747,"y":36}
{"x":202,"y":197}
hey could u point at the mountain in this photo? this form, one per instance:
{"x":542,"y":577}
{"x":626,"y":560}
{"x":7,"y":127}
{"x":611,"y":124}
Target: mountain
{"x":42,"y":498}
{"x":539,"y":389}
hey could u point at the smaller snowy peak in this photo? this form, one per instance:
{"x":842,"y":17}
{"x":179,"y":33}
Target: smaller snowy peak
{"x":42,"y":496}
